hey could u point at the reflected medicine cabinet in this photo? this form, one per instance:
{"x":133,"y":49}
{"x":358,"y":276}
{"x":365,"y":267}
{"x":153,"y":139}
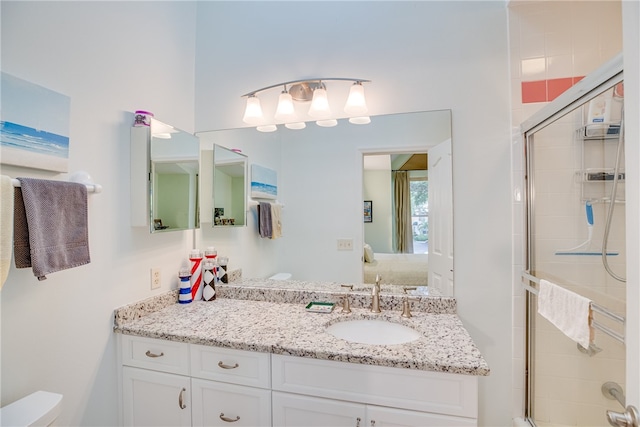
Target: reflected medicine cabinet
{"x":165,"y":170}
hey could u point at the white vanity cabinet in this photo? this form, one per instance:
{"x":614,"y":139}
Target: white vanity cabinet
{"x":178,"y":384}
{"x":230,"y":387}
{"x":171,"y":383}
{"x":347,"y":394}
{"x":156,"y":388}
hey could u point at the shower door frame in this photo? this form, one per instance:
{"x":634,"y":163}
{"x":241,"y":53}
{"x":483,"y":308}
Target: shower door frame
{"x":592,"y":85}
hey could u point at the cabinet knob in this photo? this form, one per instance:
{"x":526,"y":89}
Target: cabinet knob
{"x":224,"y":366}
{"x":229,"y":420}
{"x":181,"y":399}
{"x":149,"y":354}
{"x":358,"y":422}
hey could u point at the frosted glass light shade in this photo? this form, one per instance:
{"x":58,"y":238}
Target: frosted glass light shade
{"x":327,"y":123}
{"x":364,"y":120}
{"x":320,"y":104}
{"x":267,"y":128}
{"x":253,"y":111}
{"x":285,"y":111}
{"x":356,"y":103}
{"x":296,"y":125}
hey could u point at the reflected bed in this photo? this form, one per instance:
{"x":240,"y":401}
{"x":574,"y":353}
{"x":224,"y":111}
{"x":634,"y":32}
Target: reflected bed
{"x":397,"y":269}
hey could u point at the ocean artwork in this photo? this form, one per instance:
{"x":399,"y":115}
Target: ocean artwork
{"x":34,"y":130}
{"x":264,"y":183}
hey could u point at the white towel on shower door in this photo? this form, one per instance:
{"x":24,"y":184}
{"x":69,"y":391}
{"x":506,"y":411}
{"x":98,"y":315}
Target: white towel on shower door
{"x":567,"y":311}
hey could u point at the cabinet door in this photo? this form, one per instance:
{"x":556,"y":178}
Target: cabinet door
{"x":153,"y":398}
{"x":294,"y":410}
{"x":221,"y":404}
{"x":388,"y":417}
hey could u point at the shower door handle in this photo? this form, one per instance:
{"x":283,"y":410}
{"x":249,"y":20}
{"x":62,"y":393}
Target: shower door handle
{"x":628,"y":418}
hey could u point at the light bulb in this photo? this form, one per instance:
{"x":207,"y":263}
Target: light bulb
{"x":267,"y":128}
{"x":285,"y":111}
{"x":296,"y":125}
{"x":364,"y":120}
{"x":356,"y":103}
{"x":320,"y":104}
{"x":327,"y":123}
{"x":253,"y":111}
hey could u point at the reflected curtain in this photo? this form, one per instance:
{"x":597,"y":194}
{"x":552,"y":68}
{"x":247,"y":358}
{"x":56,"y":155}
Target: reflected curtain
{"x":402,"y":206}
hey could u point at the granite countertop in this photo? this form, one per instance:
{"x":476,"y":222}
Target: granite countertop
{"x":287,"y":328}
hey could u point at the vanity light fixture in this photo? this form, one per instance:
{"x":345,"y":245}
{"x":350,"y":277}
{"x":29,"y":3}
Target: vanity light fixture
{"x":302,"y":91}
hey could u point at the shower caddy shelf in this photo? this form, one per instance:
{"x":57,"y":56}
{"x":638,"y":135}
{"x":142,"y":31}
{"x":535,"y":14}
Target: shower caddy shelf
{"x":592,"y":176}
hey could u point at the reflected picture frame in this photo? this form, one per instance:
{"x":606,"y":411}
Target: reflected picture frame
{"x":368,"y":211}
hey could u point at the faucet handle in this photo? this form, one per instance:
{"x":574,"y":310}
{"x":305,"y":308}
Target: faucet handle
{"x":346,"y":307}
{"x":409,"y":288}
{"x":406,"y":307}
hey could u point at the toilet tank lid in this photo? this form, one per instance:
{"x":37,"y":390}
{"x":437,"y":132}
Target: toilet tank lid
{"x":37,"y":409}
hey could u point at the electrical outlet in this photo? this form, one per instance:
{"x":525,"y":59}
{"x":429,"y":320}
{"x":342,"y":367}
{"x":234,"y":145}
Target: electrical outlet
{"x":155,"y":278}
{"x":345,"y":244}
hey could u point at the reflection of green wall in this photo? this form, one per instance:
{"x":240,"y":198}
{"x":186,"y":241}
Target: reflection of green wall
{"x":237,"y":202}
{"x":229,"y":194}
{"x":173,"y":200}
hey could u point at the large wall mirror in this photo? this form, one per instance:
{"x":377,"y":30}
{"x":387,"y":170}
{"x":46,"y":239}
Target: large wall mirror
{"x":322,"y":182}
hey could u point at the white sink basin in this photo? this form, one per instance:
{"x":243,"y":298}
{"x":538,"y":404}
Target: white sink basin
{"x":378,"y":332}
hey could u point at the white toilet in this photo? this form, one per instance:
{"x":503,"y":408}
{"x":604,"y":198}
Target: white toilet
{"x":281,"y":276}
{"x":38,"y":409}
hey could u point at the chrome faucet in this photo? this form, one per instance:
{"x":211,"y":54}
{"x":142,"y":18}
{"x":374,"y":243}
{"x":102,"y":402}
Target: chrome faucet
{"x":375,"y":296}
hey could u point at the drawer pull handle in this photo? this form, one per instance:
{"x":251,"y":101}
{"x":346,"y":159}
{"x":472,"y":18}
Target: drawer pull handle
{"x":373,"y":423}
{"x":227,"y":419}
{"x":358,"y":422}
{"x":181,"y":399}
{"x":223,"y":366}
{"x":149,"y":354}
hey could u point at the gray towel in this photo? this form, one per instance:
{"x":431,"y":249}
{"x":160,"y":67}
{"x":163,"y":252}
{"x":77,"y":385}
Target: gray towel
{"x":264,"y":219}
{"x":50,"y":226}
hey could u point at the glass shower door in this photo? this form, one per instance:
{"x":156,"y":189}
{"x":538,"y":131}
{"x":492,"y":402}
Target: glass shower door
{"x":576,"y":240}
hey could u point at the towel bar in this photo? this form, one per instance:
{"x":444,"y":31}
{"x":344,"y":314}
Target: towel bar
{"x":595,"y":307}
{"x":91,"y":188}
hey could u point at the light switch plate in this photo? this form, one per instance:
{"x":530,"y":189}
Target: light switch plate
{"x":345,"y":244}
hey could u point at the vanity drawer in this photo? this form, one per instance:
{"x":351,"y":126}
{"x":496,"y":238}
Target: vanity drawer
{"x":156,"y":354}
{"x":231,"y":366}
{"x":220,"y":404}
{"x":435,"y":392}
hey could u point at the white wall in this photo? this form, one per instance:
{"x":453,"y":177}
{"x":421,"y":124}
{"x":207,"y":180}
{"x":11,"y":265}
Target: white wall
{"x":110,"y":58}
{"x":377,"y":188}
{"x":420,"y":56}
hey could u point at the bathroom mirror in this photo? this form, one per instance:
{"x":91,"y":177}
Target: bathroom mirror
{"x":229,"y":187}
{"x":174,"y":178}
{"x":321,"y":184}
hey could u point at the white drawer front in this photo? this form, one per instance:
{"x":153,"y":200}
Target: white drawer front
{"x":222,"y":404}
{"x":442,"y":393}
{"x":392,"y":417}
{"x":156,"y":354}
{"x":232,"y":366}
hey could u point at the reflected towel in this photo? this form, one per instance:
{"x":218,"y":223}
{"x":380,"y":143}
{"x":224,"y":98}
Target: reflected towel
{"x":265,"y":226}
{"x":6,"y":226}
{"x":276,"y":221}
{"x":567,"y":311}
{"x":50,"y":226}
